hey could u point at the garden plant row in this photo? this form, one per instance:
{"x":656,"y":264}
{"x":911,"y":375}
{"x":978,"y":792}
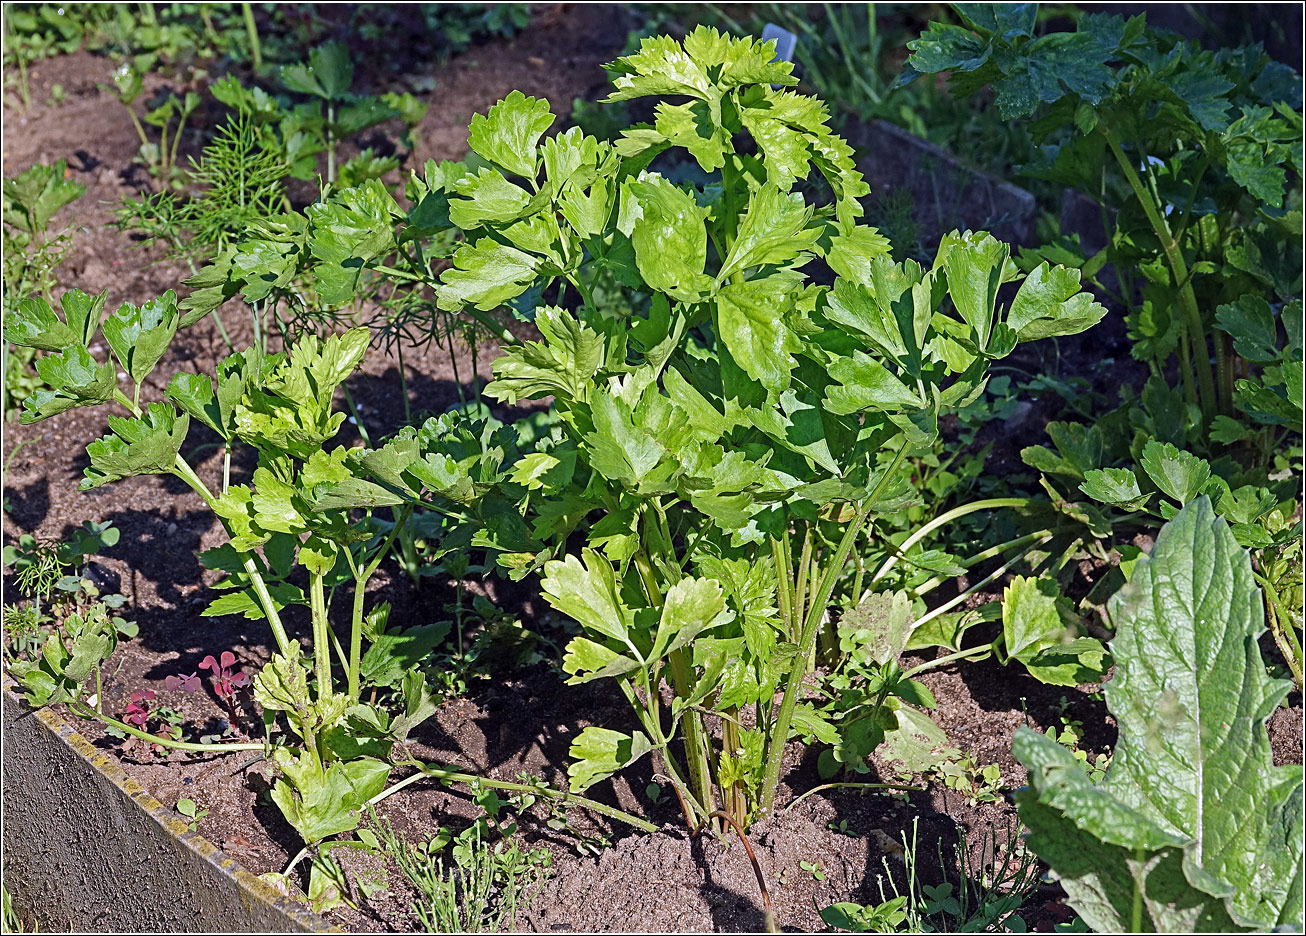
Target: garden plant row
{"x":733,"y":471}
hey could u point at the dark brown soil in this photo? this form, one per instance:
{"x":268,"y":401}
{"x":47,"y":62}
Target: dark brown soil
{"x":520,"y":722}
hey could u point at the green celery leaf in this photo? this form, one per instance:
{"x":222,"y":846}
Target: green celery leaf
{"x":139,"y":335}
{"x":487,"y":197}
{"x":395,"y":653}
{"x":1115,"y":486}
{"x":328,"y":74}
{"x":774,"y":232}
{"x":976,"y":264}
{"x":509,"y":134}
{"x":33,"y":324}
{"x":588,"y":594}
{"x":1050,"y":302}
{"x":486,"y":275}
{"x":690,"y":607}
{"x":751,"y":319}
{"x":73,"y":379}
{"x":619,"y":450}
{"x":669,"y":234}
{"x":319,"y":801}
{"x":1179,"y":475}
{"x":146,"y":445}
{"x":866,"y":384}
{"x":1251,"y":323}
{"x":598,"y":753}
{"x":563,"y":365}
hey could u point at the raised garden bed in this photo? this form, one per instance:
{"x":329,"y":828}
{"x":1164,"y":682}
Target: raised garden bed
{"x":512,"y":720}
{"x":87,"y":848}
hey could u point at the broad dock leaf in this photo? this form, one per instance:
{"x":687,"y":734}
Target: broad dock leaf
{"x":1193,"y":813}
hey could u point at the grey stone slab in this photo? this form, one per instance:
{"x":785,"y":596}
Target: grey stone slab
{"x":86,"y":848}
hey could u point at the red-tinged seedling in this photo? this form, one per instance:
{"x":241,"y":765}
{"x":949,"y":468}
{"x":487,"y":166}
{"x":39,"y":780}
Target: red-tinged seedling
{"x":181,"y":683}
{"x":138,"y":710}
{"x":225,"y":682}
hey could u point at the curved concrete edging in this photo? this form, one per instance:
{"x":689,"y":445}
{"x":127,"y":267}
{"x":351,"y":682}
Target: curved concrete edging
{"x":87,"y":848}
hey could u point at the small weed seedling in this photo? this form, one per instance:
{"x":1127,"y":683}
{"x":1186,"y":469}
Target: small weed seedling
{"x":192,"y":812}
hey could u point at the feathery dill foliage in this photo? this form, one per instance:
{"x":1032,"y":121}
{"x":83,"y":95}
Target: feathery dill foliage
{"x":238,"y":177}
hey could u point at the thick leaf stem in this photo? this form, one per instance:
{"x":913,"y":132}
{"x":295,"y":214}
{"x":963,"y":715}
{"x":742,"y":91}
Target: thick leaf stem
{"x":184,"y":471}
{"x":696,"y":744}
{"x":779,"y":732}
{"x":321,"y":634}
{"x":1201,"y":356}
{"x":361,"y":578}
{"x":820,"y":598}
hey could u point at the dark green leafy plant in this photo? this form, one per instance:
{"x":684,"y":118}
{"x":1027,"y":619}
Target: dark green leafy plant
{"x":1199,"y":831}
{"x":1195,"y":159}
{"x":747,"y":407}
{"x":1196,"y":153}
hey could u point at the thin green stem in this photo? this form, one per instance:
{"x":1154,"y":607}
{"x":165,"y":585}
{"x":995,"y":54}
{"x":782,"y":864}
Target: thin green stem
{"x":457,"y":776}
{"x":358,"y":416}
{"x":251,"y":30}
{"x":1283,"y":631}
{"x":853,"y":785}
{"x":950,"y":658}
{"x":85,"y":711}
{"x":942,"y":519}
{"x":989,"y":553}
{"x":958,"y":599}
{"x":136,"y":122}
{"x":187,"y":474}
{"x":586,"y":295}
{"x":782,"y":576}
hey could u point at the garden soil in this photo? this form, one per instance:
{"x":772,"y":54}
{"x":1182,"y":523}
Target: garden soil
{"x":835,"y":845}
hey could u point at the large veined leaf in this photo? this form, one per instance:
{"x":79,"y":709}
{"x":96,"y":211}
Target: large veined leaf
{"x":1193,"y":818}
